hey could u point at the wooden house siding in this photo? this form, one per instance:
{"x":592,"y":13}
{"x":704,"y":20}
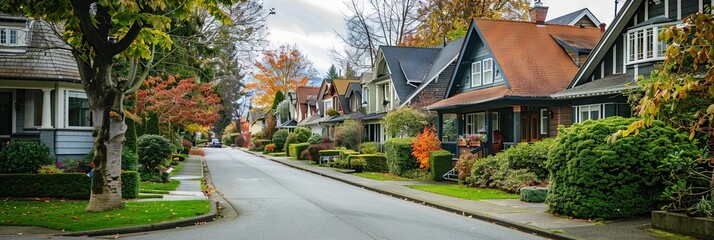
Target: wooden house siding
{"x":73,"y":142}
{"x":644,"y":12}
{"x":478,"y":52}
{"x":561,"y":116}
{"x":435,"y":91}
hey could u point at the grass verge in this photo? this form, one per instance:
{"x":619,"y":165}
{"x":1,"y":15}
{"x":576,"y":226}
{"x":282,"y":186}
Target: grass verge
{"x":71,"y":216}
{"x":380,"y":176}
{"x":177,"y":169}
{"x":469,"y":193}
{"x":153,"y":186}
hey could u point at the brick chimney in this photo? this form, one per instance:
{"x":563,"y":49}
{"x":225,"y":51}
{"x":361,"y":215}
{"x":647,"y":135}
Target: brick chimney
{"x":603,"y":27}
{"x":538,"y":12}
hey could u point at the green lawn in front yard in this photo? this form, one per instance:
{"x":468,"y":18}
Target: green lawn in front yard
{"x":153,"y":187}
{"x":71,"y":216}
{"x":469,"y":193}
{"x":380,"y":176}
{"x":278,"y":154}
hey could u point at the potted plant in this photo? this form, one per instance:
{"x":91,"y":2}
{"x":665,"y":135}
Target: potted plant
{"x":462,"y":141}
{"x":474,"y":141}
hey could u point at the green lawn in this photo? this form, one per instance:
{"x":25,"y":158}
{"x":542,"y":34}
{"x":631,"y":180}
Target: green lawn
{"x":380,"y":176}
{"x":71,"y":216}
{"x":469,"y":193}
{"x":152,"y":187}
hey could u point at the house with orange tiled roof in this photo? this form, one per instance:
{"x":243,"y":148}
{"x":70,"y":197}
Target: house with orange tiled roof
{"x":503,"y":81}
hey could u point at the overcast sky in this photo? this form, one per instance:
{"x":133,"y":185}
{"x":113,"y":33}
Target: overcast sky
{"x":311,"y":24}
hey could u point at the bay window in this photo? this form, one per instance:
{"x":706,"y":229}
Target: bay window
{"x":643,"y":44}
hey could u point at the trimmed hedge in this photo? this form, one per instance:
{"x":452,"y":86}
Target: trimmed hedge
{"x":24,"y":156}
{"x":297,"y":149}
{"x":65,"y":185}
{"x":345,"y":154}
{"x":534,"y":194}
{"x":399,"y":155}
{"x":330,"y":152}
{"x":279,"y":139}
{"x":314,"y":150}
{"x":592,"y":177}
{"x":440,"y":162}
{"x":373,"y":162}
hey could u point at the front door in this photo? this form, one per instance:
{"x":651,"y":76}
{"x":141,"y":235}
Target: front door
{"x":5,"y":113}
{"x":529,"y":127}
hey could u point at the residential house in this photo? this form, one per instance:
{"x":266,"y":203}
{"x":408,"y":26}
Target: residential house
{"x":629,"y":48}
{"x":405,"y":76}
{"x":286,"y":120}
{"x":334,"y":98}
{"x":41,"y":94}
{"x":504,"y":78}
{"x":313,"y":119}
{"x":583,"y":17}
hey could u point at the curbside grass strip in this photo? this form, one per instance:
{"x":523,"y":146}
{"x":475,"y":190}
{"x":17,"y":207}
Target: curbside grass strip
{"x":484,"y":217}
{"x":208,"y":217}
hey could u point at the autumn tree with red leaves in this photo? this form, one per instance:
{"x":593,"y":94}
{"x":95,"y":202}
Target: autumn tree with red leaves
{"x":426,"y":142}
{"x":282,"y":70}
{"x":178,"y":103}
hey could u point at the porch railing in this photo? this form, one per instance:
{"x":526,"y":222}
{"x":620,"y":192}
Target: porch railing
{"x":452,"y":147}
{"x":481,"y":151}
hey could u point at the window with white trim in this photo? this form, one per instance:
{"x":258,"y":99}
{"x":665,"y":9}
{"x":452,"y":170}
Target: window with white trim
{"x":588,"y":112}
{"x":77,"y":109}
{"x":8,"y":36}
{"x":476,"y":74}
{"x":488,"y":71}
{"x":495,"y":121}
{"x":475,"y":123}
{"x":327,"y":104}
{"x":544,"y":117}
{"x":643,"y":44}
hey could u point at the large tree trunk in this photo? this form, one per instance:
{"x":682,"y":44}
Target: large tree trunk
{"x":106,"y":106}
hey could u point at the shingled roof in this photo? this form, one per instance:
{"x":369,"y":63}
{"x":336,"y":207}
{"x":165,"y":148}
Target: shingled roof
{"x":534,"y":64}
{"x":47,"y":58}
{"x":410,"y":59}
{"x":574,"y":17}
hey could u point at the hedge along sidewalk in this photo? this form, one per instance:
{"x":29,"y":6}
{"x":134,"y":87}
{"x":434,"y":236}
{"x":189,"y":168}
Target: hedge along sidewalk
{"x":522,"y":216}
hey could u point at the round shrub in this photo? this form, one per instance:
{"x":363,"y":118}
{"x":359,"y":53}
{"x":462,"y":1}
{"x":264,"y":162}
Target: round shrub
{"x":369,"y":148}
{"x":596,"y":177}
{"x":279,"y":138}
{"x":314,"y":150}
{"x":154,"y":151}
{"x":531,"y":157}
{"x":303,"y":134}
{"x":314,"y":139}
{"x":292,"y":139}
{"x":399,"y":155}
{"x":24,"y":157}
{"x":240,"y":140}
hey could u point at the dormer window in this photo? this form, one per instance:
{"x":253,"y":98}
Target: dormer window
{"x":8,"y":36}
{"x":643,"y":45}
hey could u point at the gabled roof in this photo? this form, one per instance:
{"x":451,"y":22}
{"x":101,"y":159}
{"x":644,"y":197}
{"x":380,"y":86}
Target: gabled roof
{"x":611,"y":35}
{"x":573,"y":17}
{"x":342,"y":84}
{"x":303,"y":93}
{"x":533,"y":63}
{"x":353,"y":88}
{"x":400,"y":59}
{"x":47,"y":58}
{"x":447,"y":55}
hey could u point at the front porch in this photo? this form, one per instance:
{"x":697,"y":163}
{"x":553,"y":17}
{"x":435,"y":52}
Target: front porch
{"x":499,"y":126}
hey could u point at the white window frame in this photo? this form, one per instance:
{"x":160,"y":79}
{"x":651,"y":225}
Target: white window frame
{"x":494,"y":121}
{"x":544,"y":117}
{"x":476,"y":74}
{"x":73,"y":94}
{"x":487,"y":66}
{"x":643,"y":45}
{"x":589,"y":109}
{"x":475,"y":123}
{"x":327,"y":104}
{"x":6,"y":36}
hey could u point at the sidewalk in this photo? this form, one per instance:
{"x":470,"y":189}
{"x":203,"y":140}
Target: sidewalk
{"x":523,"y":216}
{"x":190,"y":186}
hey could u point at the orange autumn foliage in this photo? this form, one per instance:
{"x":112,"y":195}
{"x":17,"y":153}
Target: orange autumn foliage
{"x":282,"y":70}
{"x":426,"y":142}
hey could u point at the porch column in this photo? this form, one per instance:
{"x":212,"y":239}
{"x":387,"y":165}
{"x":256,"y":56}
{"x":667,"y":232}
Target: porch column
{"x":489,"y":133}
{"x":46,"y":108}
{"x":516,"y":123}
{"x":459,"y":127}
{"x":439,"y":126}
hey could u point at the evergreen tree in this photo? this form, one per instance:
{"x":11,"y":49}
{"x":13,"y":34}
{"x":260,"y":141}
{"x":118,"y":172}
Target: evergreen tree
{"x":349,"y":72}
{"x":130,"y":142}
{"x":279,"y":97}
{"x":152,"y":124}
{"x":332,"y":72}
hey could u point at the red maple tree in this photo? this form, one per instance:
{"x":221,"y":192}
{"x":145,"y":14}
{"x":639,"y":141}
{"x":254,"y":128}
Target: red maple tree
{"x":178,"y":102}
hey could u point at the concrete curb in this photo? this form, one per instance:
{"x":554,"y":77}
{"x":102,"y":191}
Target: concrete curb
{"x":208,"y":217}
{"x":513,"y":225}
{"x":225,"y":208}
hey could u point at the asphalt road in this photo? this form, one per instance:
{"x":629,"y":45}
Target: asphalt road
{"x":277,"y":202}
